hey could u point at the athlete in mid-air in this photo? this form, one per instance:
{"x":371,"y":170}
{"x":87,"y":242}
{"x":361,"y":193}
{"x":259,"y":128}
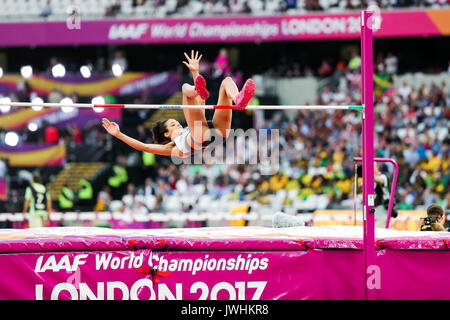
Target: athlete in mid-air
{"x":170,"y":137}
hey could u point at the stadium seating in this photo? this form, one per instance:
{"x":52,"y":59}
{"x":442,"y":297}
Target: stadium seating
{"x":95,"y":9}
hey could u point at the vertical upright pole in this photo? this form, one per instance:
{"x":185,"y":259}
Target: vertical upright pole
{"x":368,"y":152}
{"x":363,"y":150}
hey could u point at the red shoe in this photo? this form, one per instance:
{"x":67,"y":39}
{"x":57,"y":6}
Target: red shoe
{"x":247,"y":92}
{"x":200,"y":87}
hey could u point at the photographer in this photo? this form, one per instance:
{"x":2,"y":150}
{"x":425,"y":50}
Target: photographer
{"x":434,"y":220}
{"x":382,"y":196}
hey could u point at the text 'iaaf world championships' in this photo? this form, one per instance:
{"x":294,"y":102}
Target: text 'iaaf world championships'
{"x":107,"y":261}
{"x":257,"y":29}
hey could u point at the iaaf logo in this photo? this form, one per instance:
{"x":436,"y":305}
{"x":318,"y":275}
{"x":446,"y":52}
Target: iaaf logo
{"x":73,"y":22}
{"x":127,"y":31}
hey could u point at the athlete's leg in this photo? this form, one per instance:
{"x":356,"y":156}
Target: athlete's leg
{"x":227,"y":96}
{"x":245,"y":95}
{"x":195,"y":117}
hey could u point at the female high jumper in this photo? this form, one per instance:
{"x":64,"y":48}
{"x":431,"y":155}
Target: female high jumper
{"x":170,"y":137}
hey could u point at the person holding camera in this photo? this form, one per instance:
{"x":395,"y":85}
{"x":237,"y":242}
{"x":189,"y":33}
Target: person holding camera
{"x":434,"y":219}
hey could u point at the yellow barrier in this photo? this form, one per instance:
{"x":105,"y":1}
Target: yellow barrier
{"x":240,"y":209}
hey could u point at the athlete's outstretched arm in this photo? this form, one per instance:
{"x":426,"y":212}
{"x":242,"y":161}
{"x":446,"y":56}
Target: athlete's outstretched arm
{"x":193,"y":63}
{"x":162,"y":149}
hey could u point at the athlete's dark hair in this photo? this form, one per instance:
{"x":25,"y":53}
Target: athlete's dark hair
{"x":158,"y":131}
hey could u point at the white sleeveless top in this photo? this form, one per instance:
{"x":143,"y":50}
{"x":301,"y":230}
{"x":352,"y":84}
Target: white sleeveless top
{"x":182,"y":143}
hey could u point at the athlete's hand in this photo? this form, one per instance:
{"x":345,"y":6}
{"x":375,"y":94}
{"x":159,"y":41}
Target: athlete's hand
{"x":194,"y":61}
{"x":111,"y":127}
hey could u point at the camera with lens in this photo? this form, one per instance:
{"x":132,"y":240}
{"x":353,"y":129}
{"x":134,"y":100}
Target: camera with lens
{"x":427,"y":221}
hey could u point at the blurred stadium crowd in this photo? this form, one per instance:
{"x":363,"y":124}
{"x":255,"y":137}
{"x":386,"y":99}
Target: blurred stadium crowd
{"x":316,"y":148}
{"x":161,"y":8}
{"x":316,"y":153}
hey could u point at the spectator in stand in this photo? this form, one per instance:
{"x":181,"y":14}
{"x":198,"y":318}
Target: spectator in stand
{"x":325,"y":69}
{"x":137,"y":3}
{"x":282,"y":7}
{"x":222,"y":64}
{"x":404,"y":91}
{"x":46,"y":10}
{"x":220,"y":7}
{"x":138,"y":208}
{"x":76,"y":134}
{"x":85,"y":194}
{"x":355,"y":61}
{"x":142,"y":133}
{"x":3,"y":168}
{"x":53,"y":62}
{"x":338,"y":96}
{"x":118,"y":178}
{"x":313,"y":5}
{"x":206,"y":68}
{"x":14,"y":203}
{"x":308,"y":72}
{"x":66,"y":199}
{"x":158,"y":3}
{"x":391,"y":62}
{"x":349,"y":5}
{"x":326,"y":95}
{"x":162,"y":189}
{"x":94,"y":136}
{"x":119,"y":58}
{"x":103,"y":200}
{"x":290,"y":4}
{"x":173,"y":182}
{"x":180,"y":4}
{"x":236,"y":7}
{"x":208,"y":7}
{"x":113,"y":10}
{"x":51,"y":134}
{"x":183,"y":187}
{"x":380,"y":66}
{"x":55,"y":96}
{"x":246,"y":8}
{"x":129,"y":199}
{"x":149,"y":188}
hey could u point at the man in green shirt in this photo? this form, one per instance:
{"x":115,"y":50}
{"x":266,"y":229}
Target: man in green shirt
{"x":37,"y":202}
{"x":119,"y":178}
{"x":66,"y":198}
{"x":85,"y":195}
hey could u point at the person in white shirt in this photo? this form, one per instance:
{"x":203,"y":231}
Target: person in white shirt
{"x":404,"y":91}
{"x":391,"y":63}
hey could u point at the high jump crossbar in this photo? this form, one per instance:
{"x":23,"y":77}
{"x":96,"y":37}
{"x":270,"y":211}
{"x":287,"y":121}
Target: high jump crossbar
{"x":161,"y":106}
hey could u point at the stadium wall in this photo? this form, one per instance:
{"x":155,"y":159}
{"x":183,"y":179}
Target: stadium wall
{"x":404,"y":23}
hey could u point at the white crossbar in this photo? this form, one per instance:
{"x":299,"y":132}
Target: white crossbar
{"x":161,"y":106}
